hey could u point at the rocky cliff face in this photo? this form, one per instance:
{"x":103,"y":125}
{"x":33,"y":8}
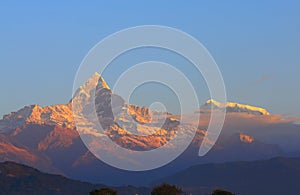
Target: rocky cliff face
{"x":130,"y":126}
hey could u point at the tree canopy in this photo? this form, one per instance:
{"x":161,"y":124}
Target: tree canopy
{"x":221,"y":192}
{"x":164,"y":189}
{"x":104,"y":191}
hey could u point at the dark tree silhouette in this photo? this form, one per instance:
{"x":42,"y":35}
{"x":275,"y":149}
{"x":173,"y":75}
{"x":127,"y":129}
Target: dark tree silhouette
{"x":104,"y":191}
{"x":164,"y":189}
{"x":221,"y":192}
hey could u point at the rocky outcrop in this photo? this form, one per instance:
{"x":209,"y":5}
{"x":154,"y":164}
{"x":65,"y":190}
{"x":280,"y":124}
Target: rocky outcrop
{"x":246,"y":138}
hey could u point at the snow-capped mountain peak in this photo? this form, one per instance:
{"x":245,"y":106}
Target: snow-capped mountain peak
{"x":59,"y":114}
{"x":233,"y":107}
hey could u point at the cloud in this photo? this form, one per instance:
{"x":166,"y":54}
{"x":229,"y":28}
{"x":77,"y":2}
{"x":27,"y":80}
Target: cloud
{"x":265,"y":78}
{"x":270,"y":129}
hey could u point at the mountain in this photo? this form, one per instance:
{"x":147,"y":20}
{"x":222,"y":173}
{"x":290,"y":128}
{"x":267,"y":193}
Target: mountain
{"x":276,"y":176}
{"x":47,"y":138}
{"x":20,"y":179}
{"x":233,"y":107}
{"x":60,"y":115}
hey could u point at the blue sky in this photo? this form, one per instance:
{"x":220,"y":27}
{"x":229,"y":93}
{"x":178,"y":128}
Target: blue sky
{"x":255,"y":43}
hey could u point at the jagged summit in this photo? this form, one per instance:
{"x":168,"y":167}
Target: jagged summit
{"x":234,"y":107}
{"x":214,"y":102}
{"x":59,"y":114}
{"x":100,"y":80}
{"x":95,"y":80}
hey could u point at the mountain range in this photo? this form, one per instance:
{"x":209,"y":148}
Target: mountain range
{"x":46,"y":137}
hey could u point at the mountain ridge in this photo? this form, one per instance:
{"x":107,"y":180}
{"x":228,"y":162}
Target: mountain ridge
{"x":233,"y":107}
{"x":276,"y":176}
{"x":62,"y":114}
{"x":21,"y":179}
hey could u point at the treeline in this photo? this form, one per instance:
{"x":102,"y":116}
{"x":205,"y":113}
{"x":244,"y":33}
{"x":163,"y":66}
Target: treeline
{"x":163,"y":189}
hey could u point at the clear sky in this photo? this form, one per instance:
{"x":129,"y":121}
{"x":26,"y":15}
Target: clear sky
{"x":255,"y":43}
